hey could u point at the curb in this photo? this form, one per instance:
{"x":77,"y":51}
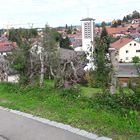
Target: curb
{"x":58,"y":125}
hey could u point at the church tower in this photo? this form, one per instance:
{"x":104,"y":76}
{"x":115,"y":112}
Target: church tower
{"x":88,"y":34}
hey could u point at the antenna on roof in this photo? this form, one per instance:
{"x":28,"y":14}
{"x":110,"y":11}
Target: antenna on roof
{"x":87,"y":11}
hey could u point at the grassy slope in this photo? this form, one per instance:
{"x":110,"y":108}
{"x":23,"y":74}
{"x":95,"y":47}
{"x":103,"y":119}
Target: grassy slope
{"x":76,"y":112}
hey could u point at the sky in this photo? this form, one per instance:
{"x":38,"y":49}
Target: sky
{"x":37,"y":13}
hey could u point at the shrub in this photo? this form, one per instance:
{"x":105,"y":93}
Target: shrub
{"x":122,"y":101}
{"x":72,"y":92}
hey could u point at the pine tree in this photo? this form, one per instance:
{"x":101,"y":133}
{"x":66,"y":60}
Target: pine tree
{"x":102,"y":69}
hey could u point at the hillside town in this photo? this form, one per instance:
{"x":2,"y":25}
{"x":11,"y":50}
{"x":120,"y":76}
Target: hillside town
{"x":86,"y":76}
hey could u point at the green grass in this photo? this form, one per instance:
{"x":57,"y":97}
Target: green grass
{"x":79,"y":112}
{"x":89,"y":91}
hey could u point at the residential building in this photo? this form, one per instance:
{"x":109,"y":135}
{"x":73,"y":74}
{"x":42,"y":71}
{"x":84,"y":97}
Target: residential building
{"x":6,"y":47}
{"x":136,"y":21}
{"x":126,"y":72}
{"x":127,"y":49}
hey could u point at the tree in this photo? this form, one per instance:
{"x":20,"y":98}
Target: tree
{"x":65,"y":43}
{"x":114,"y":24}
{"x":105,"y":37}
{"x":125,"y":19}
{"x":20,"y":58}
{"x":4,"y":69}
{"x":103,"y":24}
{"x":66,"y":27}
{"x":135,"y":59}
{"x":119,"y":22}
{"x":70,"y":69}
{"x":101,"y":62}
{"x":69,"y":31}
{"x":135,"y":14}
{"x":18,"y":35}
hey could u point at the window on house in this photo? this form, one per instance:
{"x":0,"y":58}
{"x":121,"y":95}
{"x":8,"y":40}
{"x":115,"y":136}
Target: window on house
{"x":130,"y":44}
{"x":126,"y":51}
{"x":126,"y":58}
{"x":134,"y":44}
{"x":137,"y":50}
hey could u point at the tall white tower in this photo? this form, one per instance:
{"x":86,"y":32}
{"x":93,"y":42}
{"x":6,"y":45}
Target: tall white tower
{"x":88,"y":39}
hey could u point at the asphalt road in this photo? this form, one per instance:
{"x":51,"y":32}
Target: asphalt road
{"x":17,"y":127}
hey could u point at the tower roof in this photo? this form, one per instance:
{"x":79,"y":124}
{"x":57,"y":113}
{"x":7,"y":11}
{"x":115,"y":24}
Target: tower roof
{"x":87,"y":19}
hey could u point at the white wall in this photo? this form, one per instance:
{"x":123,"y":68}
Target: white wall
{"x":127,"y":52}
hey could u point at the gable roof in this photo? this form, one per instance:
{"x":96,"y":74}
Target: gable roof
{"x":7,"y":46}
{"x":120,"y":43}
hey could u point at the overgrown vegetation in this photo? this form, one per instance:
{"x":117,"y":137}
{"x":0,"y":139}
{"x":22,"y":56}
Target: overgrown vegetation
{"x":116,"y":116}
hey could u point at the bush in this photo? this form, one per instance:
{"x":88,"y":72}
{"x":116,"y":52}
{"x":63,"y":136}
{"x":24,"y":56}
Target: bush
{"x":72,"y":92}
{"x":90,"y":78}
{"x":122,"y":101}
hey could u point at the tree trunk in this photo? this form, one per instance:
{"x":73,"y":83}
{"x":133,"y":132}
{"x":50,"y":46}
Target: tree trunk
{"x":41,"y":56}
{"x":114,"y":63}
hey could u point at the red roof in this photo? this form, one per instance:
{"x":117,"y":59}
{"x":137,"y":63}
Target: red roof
{"x":120,"y":43}
{"x":7,"y":46}
{"x":117,"y":30}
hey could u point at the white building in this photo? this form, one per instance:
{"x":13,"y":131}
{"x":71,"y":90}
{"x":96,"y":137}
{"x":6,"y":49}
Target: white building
{"x":88,"y":39}
{"x":136,"y":21}
{"x":127,"y":49}
{"x":87,"y":33}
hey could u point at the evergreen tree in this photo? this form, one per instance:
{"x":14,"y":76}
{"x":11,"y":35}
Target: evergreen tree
{"x":103,"y":24}
{"x":102,"y":69}
{"x":105,"y":37}
{"x":135,"y":15}
{"x":66,"y":27}
{"x":65,"y":43}
{"x":125,"y":19}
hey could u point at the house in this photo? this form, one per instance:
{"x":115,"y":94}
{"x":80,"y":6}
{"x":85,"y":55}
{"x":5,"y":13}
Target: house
{"x":127,"y":49}
{"x":115,"y":32}
{"x":6,"y":47}
{"x":136,"y":21}
{"x":127,"y":71}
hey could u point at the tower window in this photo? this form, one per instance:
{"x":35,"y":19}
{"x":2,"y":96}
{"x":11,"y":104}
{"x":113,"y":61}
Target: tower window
{"x":137,"y":50}
{"x":126,"y":51}
{"x":87,"y":30}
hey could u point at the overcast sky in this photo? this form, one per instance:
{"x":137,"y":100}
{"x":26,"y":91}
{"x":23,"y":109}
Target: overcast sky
{"x":62,"y":12}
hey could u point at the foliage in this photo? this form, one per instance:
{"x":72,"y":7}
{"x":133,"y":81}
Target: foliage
{"x":106,"y":38}
{"x":65,"y":43}
{"x":103,"y":24}
{"x":114,"y":24}
{"x":18,"y":35}
{"x":135,"y":59}
{"x":72,"y":92}
{"x":21,"y":63}
{"x":90,"y":77}
{"x":90,"y":114}
{"x":125,"y":19}
{"x":135,"y":14}
{"x":122,"y":102}
{"x":101,"y":62}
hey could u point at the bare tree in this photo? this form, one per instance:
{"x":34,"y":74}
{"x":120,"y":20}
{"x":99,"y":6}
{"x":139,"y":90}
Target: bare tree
{"x":37,"y":57}
{"x":70,"y":69}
